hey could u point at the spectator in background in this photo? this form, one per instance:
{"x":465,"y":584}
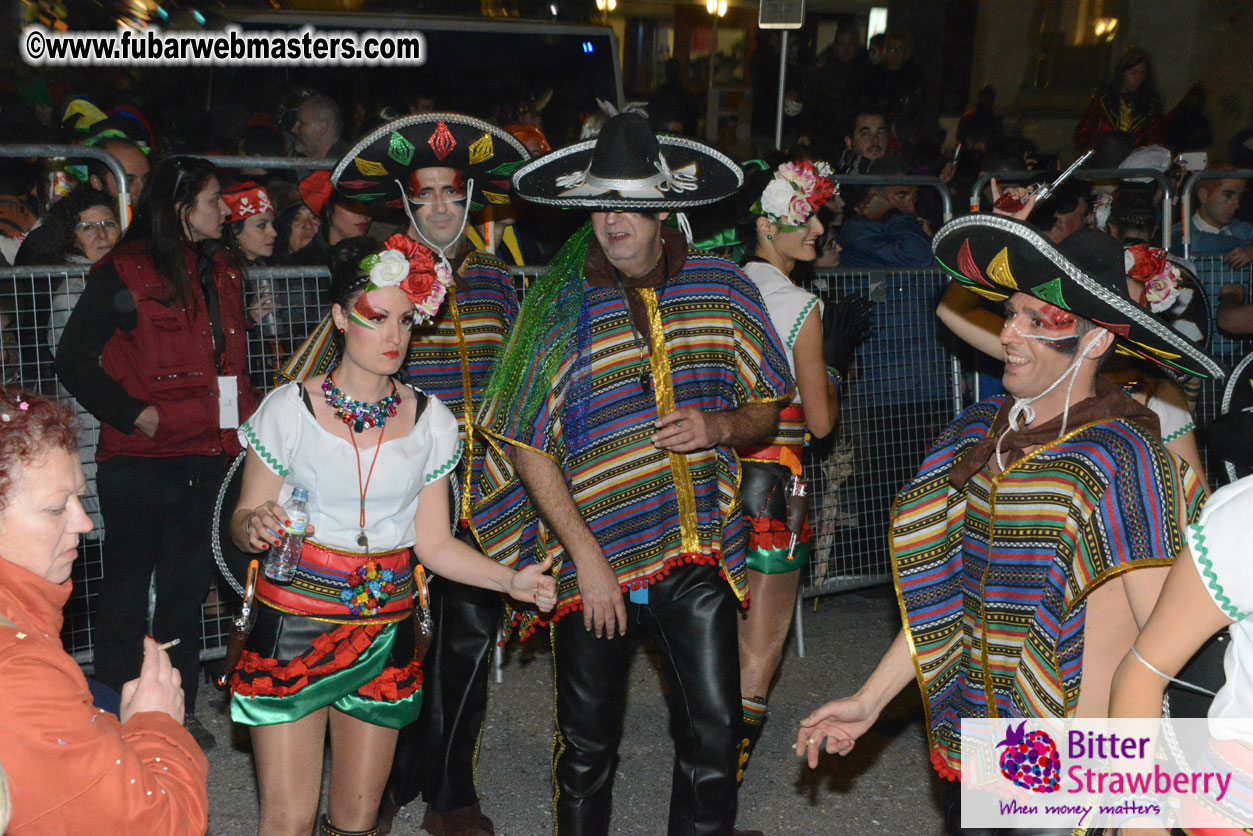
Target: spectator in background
{"x":1215,"y":228}
{"x":143,"y":351}
{"x":1187,"y":126}
{"x":295,"y":226}
{"x":837,"y":80}
{"x":318,"y":130}
{"x":671,"y":107}
{"x":250,"y":224}
{"x":897,"y":88}
{"x":134,"y":162}
{"x":84,"y":226}
{"x":865,"y":140}
{"x":980,"y":127}
{"x":1133,"y":216}
{"x":884,"y":230}
{"x":874,"y":49}
{"x":80,"y":228}
{"x":1129,"y":103}
{"x":340,"y":219}
{"x":1066,"y":210}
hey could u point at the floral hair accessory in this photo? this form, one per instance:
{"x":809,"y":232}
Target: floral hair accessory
{"x":795,"y":192}
{"x":1156,"y":274}
{"x":406,"y":264}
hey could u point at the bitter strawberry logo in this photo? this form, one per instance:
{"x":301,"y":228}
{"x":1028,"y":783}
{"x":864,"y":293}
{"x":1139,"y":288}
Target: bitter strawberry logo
{"x":1030,"y":759}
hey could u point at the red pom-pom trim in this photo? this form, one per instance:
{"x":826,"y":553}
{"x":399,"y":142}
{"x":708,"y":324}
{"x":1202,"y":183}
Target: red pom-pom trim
{"x":942,"y":767}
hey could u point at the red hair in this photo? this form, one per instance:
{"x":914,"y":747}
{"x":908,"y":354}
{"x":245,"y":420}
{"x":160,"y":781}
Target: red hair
{"x":30,"y":424}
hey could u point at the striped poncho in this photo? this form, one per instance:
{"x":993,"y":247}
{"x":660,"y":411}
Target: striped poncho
{"x":651,"y":510}
{"x":993,"y":578}
{"x":452,"y":356}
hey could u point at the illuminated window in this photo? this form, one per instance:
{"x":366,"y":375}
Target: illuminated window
{"x":1077,"y":39}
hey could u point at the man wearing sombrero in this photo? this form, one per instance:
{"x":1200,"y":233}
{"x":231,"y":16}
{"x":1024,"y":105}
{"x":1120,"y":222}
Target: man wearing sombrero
{"x":1034,"y":539}
{"x":636,"y":366}
{"x":439,"y":167}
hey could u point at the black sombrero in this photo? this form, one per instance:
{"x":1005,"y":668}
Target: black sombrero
{"x":372,"y":169}
{"x":629,"y":167}
{"x":1085,"y":274}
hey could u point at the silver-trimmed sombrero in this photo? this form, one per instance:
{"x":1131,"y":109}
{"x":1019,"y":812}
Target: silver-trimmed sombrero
{"x":629,"y":167}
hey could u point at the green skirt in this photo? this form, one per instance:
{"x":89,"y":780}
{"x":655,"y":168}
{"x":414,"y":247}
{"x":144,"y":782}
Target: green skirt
{"x":293,"y":666}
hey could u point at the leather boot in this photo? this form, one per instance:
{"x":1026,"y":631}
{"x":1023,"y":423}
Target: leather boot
{"x":325,"y":828}
{"x":468,"y":821}
{"x":751,"y":723}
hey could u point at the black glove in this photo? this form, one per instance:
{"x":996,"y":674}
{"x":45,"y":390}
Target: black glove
{"x":845,"y":325}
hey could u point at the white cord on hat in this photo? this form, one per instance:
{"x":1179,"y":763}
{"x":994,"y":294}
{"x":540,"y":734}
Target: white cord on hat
{"x":681,"y":219}
{"x":465,"y":217}
{"x":1022,"y":406}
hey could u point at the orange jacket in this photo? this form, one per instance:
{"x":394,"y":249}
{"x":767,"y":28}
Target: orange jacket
{"x":73,"y":768}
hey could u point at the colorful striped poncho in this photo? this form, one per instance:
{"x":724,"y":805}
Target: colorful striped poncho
{"x":712,"y":349}
{"x":452,"y":356}
{"x":993,"y":578}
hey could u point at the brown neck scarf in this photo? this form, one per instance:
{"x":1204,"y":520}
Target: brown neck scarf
{"x":1109,"y":402}
{"x":600,"y":273}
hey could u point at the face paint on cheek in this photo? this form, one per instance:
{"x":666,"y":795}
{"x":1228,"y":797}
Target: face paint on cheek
{"x":361,"y":313}
{"x":1055,"y":318}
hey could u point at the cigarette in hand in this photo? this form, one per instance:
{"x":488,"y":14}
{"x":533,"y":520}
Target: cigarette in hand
{"x":169,"y":644}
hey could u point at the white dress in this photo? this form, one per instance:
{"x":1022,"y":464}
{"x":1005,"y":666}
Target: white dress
{"x":291,"y":443}
{"x":1219,"y":545}
{"x":786,"y":304}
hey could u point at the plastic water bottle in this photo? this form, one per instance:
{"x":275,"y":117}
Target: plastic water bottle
{"x":280,"y":565}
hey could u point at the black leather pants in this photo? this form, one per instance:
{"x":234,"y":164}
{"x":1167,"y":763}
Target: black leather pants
{"x":690,"y":618}
{"x":436,"y":754}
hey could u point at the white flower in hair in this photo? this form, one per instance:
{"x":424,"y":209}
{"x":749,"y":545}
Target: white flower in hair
{"x":777,"y":196}
{"x":390,"y":270}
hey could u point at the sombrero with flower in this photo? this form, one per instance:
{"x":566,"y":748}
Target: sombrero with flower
{"x":1086,"y":275}
{"x":379,"y":167}
{"x":629,"y":167}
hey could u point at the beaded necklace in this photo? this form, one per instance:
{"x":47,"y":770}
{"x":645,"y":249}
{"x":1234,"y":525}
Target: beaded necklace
{"x":360,"y":415}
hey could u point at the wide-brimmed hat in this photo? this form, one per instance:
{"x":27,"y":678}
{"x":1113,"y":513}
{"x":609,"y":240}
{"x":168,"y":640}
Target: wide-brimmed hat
{"x":996,"y":256}
{"x":378,"y":167}
{"x":627,"y":166}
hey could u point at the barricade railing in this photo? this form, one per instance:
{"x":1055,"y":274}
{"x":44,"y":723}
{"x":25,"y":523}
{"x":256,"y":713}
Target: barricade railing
{"x":1185,"y":213}
{"x":233,"y":161}
{"x":905,"y":386}
{"x":946,"y":199}
{"x":57,"y":152}
{"x":1168,"y":191}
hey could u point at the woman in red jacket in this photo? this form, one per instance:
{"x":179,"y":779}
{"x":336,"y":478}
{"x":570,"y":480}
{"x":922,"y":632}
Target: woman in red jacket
{"x":71,"y":766}
{"x":157,"y":350}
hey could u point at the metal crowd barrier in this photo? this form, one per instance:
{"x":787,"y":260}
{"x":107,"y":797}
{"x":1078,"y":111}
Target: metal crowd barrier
{"x":1186,"y":207}
{"x":79,"y":152}
{"x":906,"y":385}
{"x":1168,"y":192}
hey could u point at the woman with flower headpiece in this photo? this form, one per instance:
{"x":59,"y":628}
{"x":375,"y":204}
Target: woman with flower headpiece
{"x":780,"y":211}
{"x":336,"y":647}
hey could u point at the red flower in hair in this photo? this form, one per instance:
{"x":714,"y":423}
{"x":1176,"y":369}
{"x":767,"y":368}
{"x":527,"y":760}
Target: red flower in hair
{"x":822,"y":192}
{"x":1149,"y":261}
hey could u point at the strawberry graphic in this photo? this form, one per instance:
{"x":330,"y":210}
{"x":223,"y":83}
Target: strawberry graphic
{"x":1030,"y":759}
